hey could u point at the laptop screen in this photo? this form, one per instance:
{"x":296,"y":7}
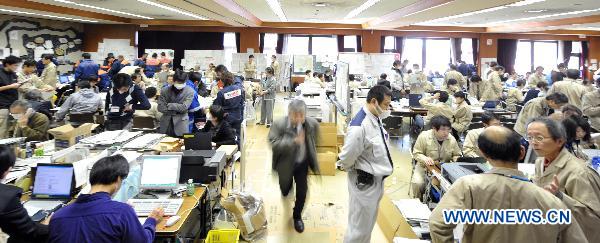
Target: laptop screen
{"x":63,"y":79}
{"x":53,"y":181}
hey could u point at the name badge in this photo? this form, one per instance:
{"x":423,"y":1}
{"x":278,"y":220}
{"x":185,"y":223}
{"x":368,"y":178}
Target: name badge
{"x":232,"y":94}
{"x":128,"y":98}
{"x":115,"y":109}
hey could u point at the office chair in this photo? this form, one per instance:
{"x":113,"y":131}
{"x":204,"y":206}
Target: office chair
{"x":393,"y":123}
{"x":475,"y":125}
{"x":78,"y":119}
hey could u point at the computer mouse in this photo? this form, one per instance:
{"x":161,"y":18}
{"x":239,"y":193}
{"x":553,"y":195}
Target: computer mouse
{"x":172,"y":220}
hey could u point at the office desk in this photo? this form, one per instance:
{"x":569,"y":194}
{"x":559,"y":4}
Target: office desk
{"x":185,"y":226}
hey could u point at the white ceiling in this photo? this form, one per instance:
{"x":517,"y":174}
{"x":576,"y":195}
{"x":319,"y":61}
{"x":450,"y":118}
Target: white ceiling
{"x":47,"y":15}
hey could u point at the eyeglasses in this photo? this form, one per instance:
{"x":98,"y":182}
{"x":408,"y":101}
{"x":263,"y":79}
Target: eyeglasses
{"x":535,"y":139}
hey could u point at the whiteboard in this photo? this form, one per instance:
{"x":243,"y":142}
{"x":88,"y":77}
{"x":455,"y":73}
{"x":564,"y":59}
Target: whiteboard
{"x":341,"y":85}
{"x":303,"y":63}
{"x":356,"y":61}
{"x":202,"y":58}
{"x":117,"y":47}
{"x":380,"y":63}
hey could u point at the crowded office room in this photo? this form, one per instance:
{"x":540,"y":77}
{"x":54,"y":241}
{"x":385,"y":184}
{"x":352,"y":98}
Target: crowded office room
{"x":281,"y":121}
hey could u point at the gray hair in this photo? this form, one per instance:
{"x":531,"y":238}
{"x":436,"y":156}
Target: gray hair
{"x":297,"y":106}
{"x":556,"y":129}
{"x":33,"y":94}
{"x":20,"y":103}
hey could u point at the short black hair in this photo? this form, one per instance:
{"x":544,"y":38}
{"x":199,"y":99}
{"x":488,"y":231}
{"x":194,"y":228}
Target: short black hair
{"x":307,"y":72}
{"x":221,"y":69}
{"x":383,"y":76}
{"x":351,"y":77}
{"x":520,"y":82}
{"x":452,"y":66}
{"x":217,"y":112}
{"x":86,"y":55}
{"x":541,"y":85}
{"x":150,"y":92}
{"x":443,"y":96}
{"x":504,"y":149}
{"x":378,"y":92}
{"x":573,"y":73}
{"x":179,"y":76}
{"x":108,"y":170}
{"x":10,"y":60}
{"x":7,"y":158}
{"x":396,"y":63}
{"x":251,"y":56}
{"x":269,"y":70}
{"x":49,"y":57}
{"x":84,"y":84}
{"x":154,"y":55}
{"x":460,"y":94}
{"x":475,"y":78}
{"x":135,"y":76}
{"x":556,"y":76}
{"x":121,"y":80}
{"x":558,"y":98}
{"x":195,"y":76}
{"x":92,"y":78}
{"x":163,"y":53}
{"x":29,"y":63}
{"x":440,"y":121}
{"x":320,"y":75}
{"x":498,"y":68}
{"x":452,"y":81}
{"x":142,"y":65}
{"x":561,"y":65}
{"x":488,"y":117}
{"x":315,"y":74}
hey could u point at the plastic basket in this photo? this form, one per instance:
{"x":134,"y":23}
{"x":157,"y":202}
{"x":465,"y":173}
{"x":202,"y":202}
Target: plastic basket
{"x":223,"y":236}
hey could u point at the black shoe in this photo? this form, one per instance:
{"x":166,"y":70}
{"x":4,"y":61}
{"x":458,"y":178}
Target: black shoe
{"x":268,"y":125}
{"x":299,"y":225}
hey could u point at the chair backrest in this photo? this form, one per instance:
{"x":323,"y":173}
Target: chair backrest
{"x":475,"y":125}
{"x":81,"y":118}
{"x":144,"y":122}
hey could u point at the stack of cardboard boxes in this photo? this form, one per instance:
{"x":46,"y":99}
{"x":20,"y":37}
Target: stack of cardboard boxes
{"x":67,"y":135}
{"x":327,"y":151}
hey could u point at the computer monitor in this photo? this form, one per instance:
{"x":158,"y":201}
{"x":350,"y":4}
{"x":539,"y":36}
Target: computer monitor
{"x":63,"y":79}
{"x":198,"y":141}
{"x":160,"y":172}
{"x":53,"y":181}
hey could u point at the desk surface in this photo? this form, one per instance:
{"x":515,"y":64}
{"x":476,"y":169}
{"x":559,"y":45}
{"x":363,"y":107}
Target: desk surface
{"x":184,"y":213}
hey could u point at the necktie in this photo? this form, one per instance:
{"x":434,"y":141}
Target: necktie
{"x":384,"y":142}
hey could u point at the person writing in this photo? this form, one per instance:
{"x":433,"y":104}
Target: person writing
{"x":94,"y":217}
{"x":462,"y":115}
{"x":222,"y":133}
{"x":504,"y":182}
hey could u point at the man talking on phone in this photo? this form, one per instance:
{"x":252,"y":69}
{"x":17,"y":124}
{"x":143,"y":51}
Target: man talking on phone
{"x":29,"y":123}
{"x":8,"y":90}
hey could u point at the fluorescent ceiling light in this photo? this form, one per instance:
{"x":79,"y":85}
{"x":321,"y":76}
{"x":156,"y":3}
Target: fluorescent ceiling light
{"x":276,"y":8}
{"x":546,"y":16}
{"x":361,"y":8}
{"x":158,"y":5}
{"x":46,"y":15}
{"x":102,"y":9}
{"x":536,"y":11}
{"x":517,"y":4}
{"x":523,"y":3}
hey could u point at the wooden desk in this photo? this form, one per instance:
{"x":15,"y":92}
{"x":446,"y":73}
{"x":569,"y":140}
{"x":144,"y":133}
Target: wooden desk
{"x":184,"y":212}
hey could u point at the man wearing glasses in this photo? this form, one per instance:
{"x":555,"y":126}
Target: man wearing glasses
{"x":564,"y":175}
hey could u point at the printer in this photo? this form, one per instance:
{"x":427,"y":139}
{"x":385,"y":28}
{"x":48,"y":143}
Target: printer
{"x":453,"y":171}
{"x":203,"y":166}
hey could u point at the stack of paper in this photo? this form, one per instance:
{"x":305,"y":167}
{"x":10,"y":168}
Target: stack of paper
{"x":144,"y":141}
{"x":110,"y":137}
{"x":413,"y":209}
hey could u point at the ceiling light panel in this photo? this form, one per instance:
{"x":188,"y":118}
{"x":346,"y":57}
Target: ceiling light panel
{"x":546,"y":16}
{"x":158,"y":5}
{"x":355,"y":12}
{"x":524,"y":3}
{"x":276,"y":8}
{"x":46,"y":15}
{"x":101,"y":9}
{"x":517,"y":4}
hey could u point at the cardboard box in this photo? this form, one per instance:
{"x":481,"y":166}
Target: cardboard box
{"x":67,"y":135}
{"x":327,"y":157}
{"x":340,"y":139}
{"x":248,"y":221}
{"x":169,"y":144}
{"x":327,"y":128}
{"x":229,"y":150}
{"x":327,"y":140}
{"x":391,"y":221}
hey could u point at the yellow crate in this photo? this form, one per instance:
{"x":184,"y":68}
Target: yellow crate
{"x":223,"y":236}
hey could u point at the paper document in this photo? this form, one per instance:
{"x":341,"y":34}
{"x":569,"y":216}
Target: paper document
{"x":413,"y":209}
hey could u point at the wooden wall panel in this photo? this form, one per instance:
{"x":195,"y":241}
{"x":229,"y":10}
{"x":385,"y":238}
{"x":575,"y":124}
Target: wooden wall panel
{"x":95,"y":33}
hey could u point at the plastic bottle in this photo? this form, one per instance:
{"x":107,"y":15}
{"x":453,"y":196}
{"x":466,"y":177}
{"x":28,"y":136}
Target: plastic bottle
{"x":190,"y":187}
{"x":28,"y":150}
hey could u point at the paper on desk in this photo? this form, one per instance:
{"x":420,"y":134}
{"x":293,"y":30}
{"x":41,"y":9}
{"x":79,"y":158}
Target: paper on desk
{"x":15,"y":175}
{"x":169,"y":140}
{"x":81,"y":169}
{"x":413,"y":209}
{"x":406,"y":240}
{"x":528,"y":169}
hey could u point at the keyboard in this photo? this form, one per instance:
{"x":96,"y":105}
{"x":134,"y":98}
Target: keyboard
{"x":143,"y":207}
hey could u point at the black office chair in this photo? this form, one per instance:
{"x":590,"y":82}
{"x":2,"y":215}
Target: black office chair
{"x":476,"y":119}
{"x":393,"y":123}
{"x":77,"y":119}
{"x":143,"y":123}
{"x":475,"y":125}
{"x":471,"y":160}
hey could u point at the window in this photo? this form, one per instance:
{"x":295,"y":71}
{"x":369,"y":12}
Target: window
{"x":413,"y":51}
{"x":350,"y":44}
{"x":270,"y":44}
{"x":324,"y":45}
{"x":230,"y":47}
{"x":466,"y":47}
{"x":389,"y":44}
{"x":545,"y":54}
{"x":523,"y":58}
{"x":437,"y":55}
{"x":575,"y":54}
{"x":298,"y":45}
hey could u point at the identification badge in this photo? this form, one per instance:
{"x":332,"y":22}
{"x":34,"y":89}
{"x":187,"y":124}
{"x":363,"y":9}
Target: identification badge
{"x":115,"y":109}
{"x":128,"y":98}
{"x":232,"y":94}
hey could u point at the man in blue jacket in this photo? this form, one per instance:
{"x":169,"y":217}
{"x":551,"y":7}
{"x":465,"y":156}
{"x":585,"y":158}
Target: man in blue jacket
{"x":121,"y":102}
{"x":87,"y":67}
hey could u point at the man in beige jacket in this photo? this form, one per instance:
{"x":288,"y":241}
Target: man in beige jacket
{"x":566,"y":176}
{"x":569,"y":86}
{"x":470,"y":148}
{"x":492,"y":88}
{"x":591,"y":108}
{"x":453,"y":74}
{"x":538,"y":107}
{"x":49,"y":76}
{"x":440,"y":107}
{"x":250,"y":68}
{"x":509,"y":189}
{"x":536,"y":77}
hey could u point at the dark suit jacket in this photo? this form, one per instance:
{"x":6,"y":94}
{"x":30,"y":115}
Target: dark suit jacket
{"x":281,"y":137}
{"x":14,"y":219}
{"x":221,"y":135}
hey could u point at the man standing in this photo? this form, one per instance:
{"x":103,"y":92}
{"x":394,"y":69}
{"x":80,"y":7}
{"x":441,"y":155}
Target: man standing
{"x":538,"y":107}
{"x":367,"y":159}
{"x":492,"y":88}
{"x":8,"y":90}
{"x":121,"y":102}
{"x":569,"y":86}
{"x":454,"y":74}
{"x":509,"y":189}
{"x":250,"y":68}
{"x":49,"y":76}
{"x":275,"y":66}
{"x":293,"y":140}
{"x":537,"y":77}
{"x":87,"y":67}
{"x":591,"y":107}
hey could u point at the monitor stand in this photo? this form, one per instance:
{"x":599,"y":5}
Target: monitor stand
{"x":153,"y":194}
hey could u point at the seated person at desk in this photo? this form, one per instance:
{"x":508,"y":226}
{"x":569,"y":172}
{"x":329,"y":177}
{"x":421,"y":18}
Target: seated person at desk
{"x":508,"y":188}
{"x":578,"y":136}
{"x":476,"y":87}
{"x":222,"y":133}
{"x":14,"y":219}
{"x":83,"y":101}
{"x":94,"y":217}
{"x":539,"y":91}
{"x":462,"y":114}
{"x":439,"y":107}
{"x":30,"y":124}
{"x":153,"y":112}
{"x":383,"y":81}
{"x":432,"y":148}
{"x":514,"y":96}
{"x":470,"y":148}
{"x":451,"y":87}
{"x":34,"y":98}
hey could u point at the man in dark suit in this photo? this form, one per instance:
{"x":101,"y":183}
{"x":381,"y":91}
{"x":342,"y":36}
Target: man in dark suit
{"x":294,"y":140}
{"x":14,"y":219}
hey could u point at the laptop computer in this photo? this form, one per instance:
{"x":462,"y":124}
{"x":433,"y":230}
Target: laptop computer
{"x":198,"y":141}
{"x":413,"y":100}
{"x":64,"y":79}
{"x":53,"y":186}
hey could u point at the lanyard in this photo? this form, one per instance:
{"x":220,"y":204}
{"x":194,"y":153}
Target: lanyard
{"x":512,"y":176}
